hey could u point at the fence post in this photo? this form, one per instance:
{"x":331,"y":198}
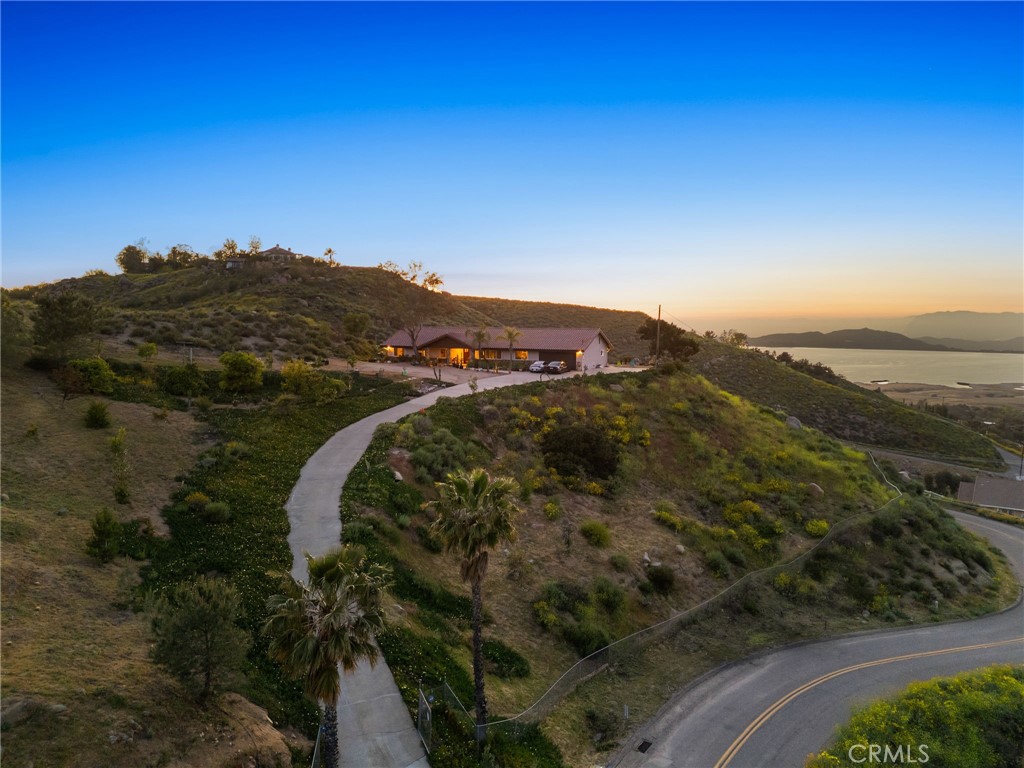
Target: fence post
{"x":424,"y":721}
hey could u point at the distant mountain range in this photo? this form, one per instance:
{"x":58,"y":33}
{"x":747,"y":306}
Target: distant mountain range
{"x":868,"y":338}
{"x":970,"y":326}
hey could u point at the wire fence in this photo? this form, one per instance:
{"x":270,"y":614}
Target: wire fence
{"x":628,"y":647}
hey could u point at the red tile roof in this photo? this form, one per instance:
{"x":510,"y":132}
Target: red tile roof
{"x":531,"y":338}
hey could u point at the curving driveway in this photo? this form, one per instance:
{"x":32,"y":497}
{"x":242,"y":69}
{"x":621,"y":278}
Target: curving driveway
{"x":374,"y":726}
{"x":774,"y":709}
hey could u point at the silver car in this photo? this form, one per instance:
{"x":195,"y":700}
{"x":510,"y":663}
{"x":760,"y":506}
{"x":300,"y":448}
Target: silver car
{"x":538,"y":367}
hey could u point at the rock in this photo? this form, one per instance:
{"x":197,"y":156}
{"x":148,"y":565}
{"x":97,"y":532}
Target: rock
{"x":904,"y":474}
{"x":62,"y":512}
{"x":793,"y":422}
{"x":815,"y":490}
{"x":647,"y":559}
{"x":4,"y":498}
{"x":680,"y":549}
{"x":16,"y":711}
{"x":397,"y":474}
{"x":616,"y":388}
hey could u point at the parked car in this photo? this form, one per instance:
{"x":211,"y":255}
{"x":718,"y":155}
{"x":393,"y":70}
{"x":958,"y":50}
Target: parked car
{"x":538,"y":367}
{"x":556,"y":366}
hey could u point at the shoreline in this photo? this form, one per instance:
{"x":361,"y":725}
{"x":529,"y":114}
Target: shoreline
{"x":1009,"y":394}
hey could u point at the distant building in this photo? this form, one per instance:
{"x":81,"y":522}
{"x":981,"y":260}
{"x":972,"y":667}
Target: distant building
{"x":578,"y":348}
{"x":994,"y":492}
{"x":277,"y":253}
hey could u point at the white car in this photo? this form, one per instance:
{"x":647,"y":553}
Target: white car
{"x":538,"y":367}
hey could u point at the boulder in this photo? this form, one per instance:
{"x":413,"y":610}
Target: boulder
{"x":793,"y":422}
{"x":816,"y":490}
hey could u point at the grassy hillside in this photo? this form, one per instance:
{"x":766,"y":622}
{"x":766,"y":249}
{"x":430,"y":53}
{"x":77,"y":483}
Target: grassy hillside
{"x":75,"y":655}
{"x":298,"y":310}
{"x":840,"y":408}
{"x":643,"y":495}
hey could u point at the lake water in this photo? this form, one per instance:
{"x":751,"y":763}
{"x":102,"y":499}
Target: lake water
{"x":864,"y":365}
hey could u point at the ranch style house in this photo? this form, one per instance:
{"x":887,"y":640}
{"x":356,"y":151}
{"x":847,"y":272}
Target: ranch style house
{"x":578,"y":348}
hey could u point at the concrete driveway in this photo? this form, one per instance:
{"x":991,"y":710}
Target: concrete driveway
{"x":374,"y":726}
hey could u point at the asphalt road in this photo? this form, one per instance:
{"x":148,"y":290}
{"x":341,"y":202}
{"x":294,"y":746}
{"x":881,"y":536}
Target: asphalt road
{"x":772,"y":710}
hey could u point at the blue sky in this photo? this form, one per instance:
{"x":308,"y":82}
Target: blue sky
{"x":723,"y":159}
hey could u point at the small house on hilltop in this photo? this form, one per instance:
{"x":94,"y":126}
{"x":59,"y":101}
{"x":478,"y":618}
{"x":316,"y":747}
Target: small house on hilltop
{"x":578,"y":348}
{"x":277,"y":253}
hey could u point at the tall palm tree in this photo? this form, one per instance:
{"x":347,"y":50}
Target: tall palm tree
{"x":316,"y":628}
{"x":511,"y":335}
{"x":480,"y":337}
{"x":475,"y":514}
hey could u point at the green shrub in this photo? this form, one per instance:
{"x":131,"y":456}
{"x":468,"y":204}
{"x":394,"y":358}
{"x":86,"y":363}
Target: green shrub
{"x":217,"y":512}
{"x":662,"y":578}
{"x":437,"y":455}
{"x":718,"y":564}
{"x":104,"y":544}
{"x":182,"y":380}
{"x":973,"y":719}
{"x":503,"y":661}
{"x":403,"y":500}
{"x":553,"y":509}
{"x":242,"y":372}
{"x":586,"y":637}
{"x":596,"y":533}
{"x":734,"y":555}
{"x":97,"y":416}
{"x":609,"y":595}
{"x":619,"y":562}
{"x":197,"y":501}
{"x":94,"y":374}
{"x":817,"y":528}
{"x":580,"y":451}
{"x":545,"y":615}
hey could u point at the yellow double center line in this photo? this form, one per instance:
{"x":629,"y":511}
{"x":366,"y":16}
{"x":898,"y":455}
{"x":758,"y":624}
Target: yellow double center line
{"x":761,"y":719}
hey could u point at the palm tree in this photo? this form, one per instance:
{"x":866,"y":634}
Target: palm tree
{"x":480,"y":337}
{"x":314,"y":628}
{"x":511,"y":335}
{"x":329,"y":255}
{"x":475,"y":514}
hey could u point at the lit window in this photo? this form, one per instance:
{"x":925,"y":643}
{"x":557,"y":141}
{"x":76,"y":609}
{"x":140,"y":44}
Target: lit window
{"x":522,"y":354}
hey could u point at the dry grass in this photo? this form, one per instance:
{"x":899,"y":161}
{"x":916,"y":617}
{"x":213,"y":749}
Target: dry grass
{"x":64,"y":641}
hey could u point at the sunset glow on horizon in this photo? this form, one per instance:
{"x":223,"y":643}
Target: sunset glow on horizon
{"x":724,"y":160}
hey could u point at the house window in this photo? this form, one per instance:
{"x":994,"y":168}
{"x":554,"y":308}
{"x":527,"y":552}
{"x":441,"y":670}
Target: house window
{"x":489,"y":354}
{"x":399,"y":351}
{"x":522,"y":354}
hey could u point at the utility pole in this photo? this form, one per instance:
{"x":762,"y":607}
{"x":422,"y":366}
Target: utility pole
{"x":657,"y":338}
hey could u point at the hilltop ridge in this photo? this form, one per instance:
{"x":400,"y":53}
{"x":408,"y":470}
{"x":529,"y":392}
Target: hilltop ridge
{"x":299,"y":308}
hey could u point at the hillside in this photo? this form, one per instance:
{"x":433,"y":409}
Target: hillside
{"x":642,"y":495}
{"x":79,"y":687}
{"x":976,"y":326}
{"x":862,"y":338}
{"x":839,"y":408}
{"x":300,"y":309}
